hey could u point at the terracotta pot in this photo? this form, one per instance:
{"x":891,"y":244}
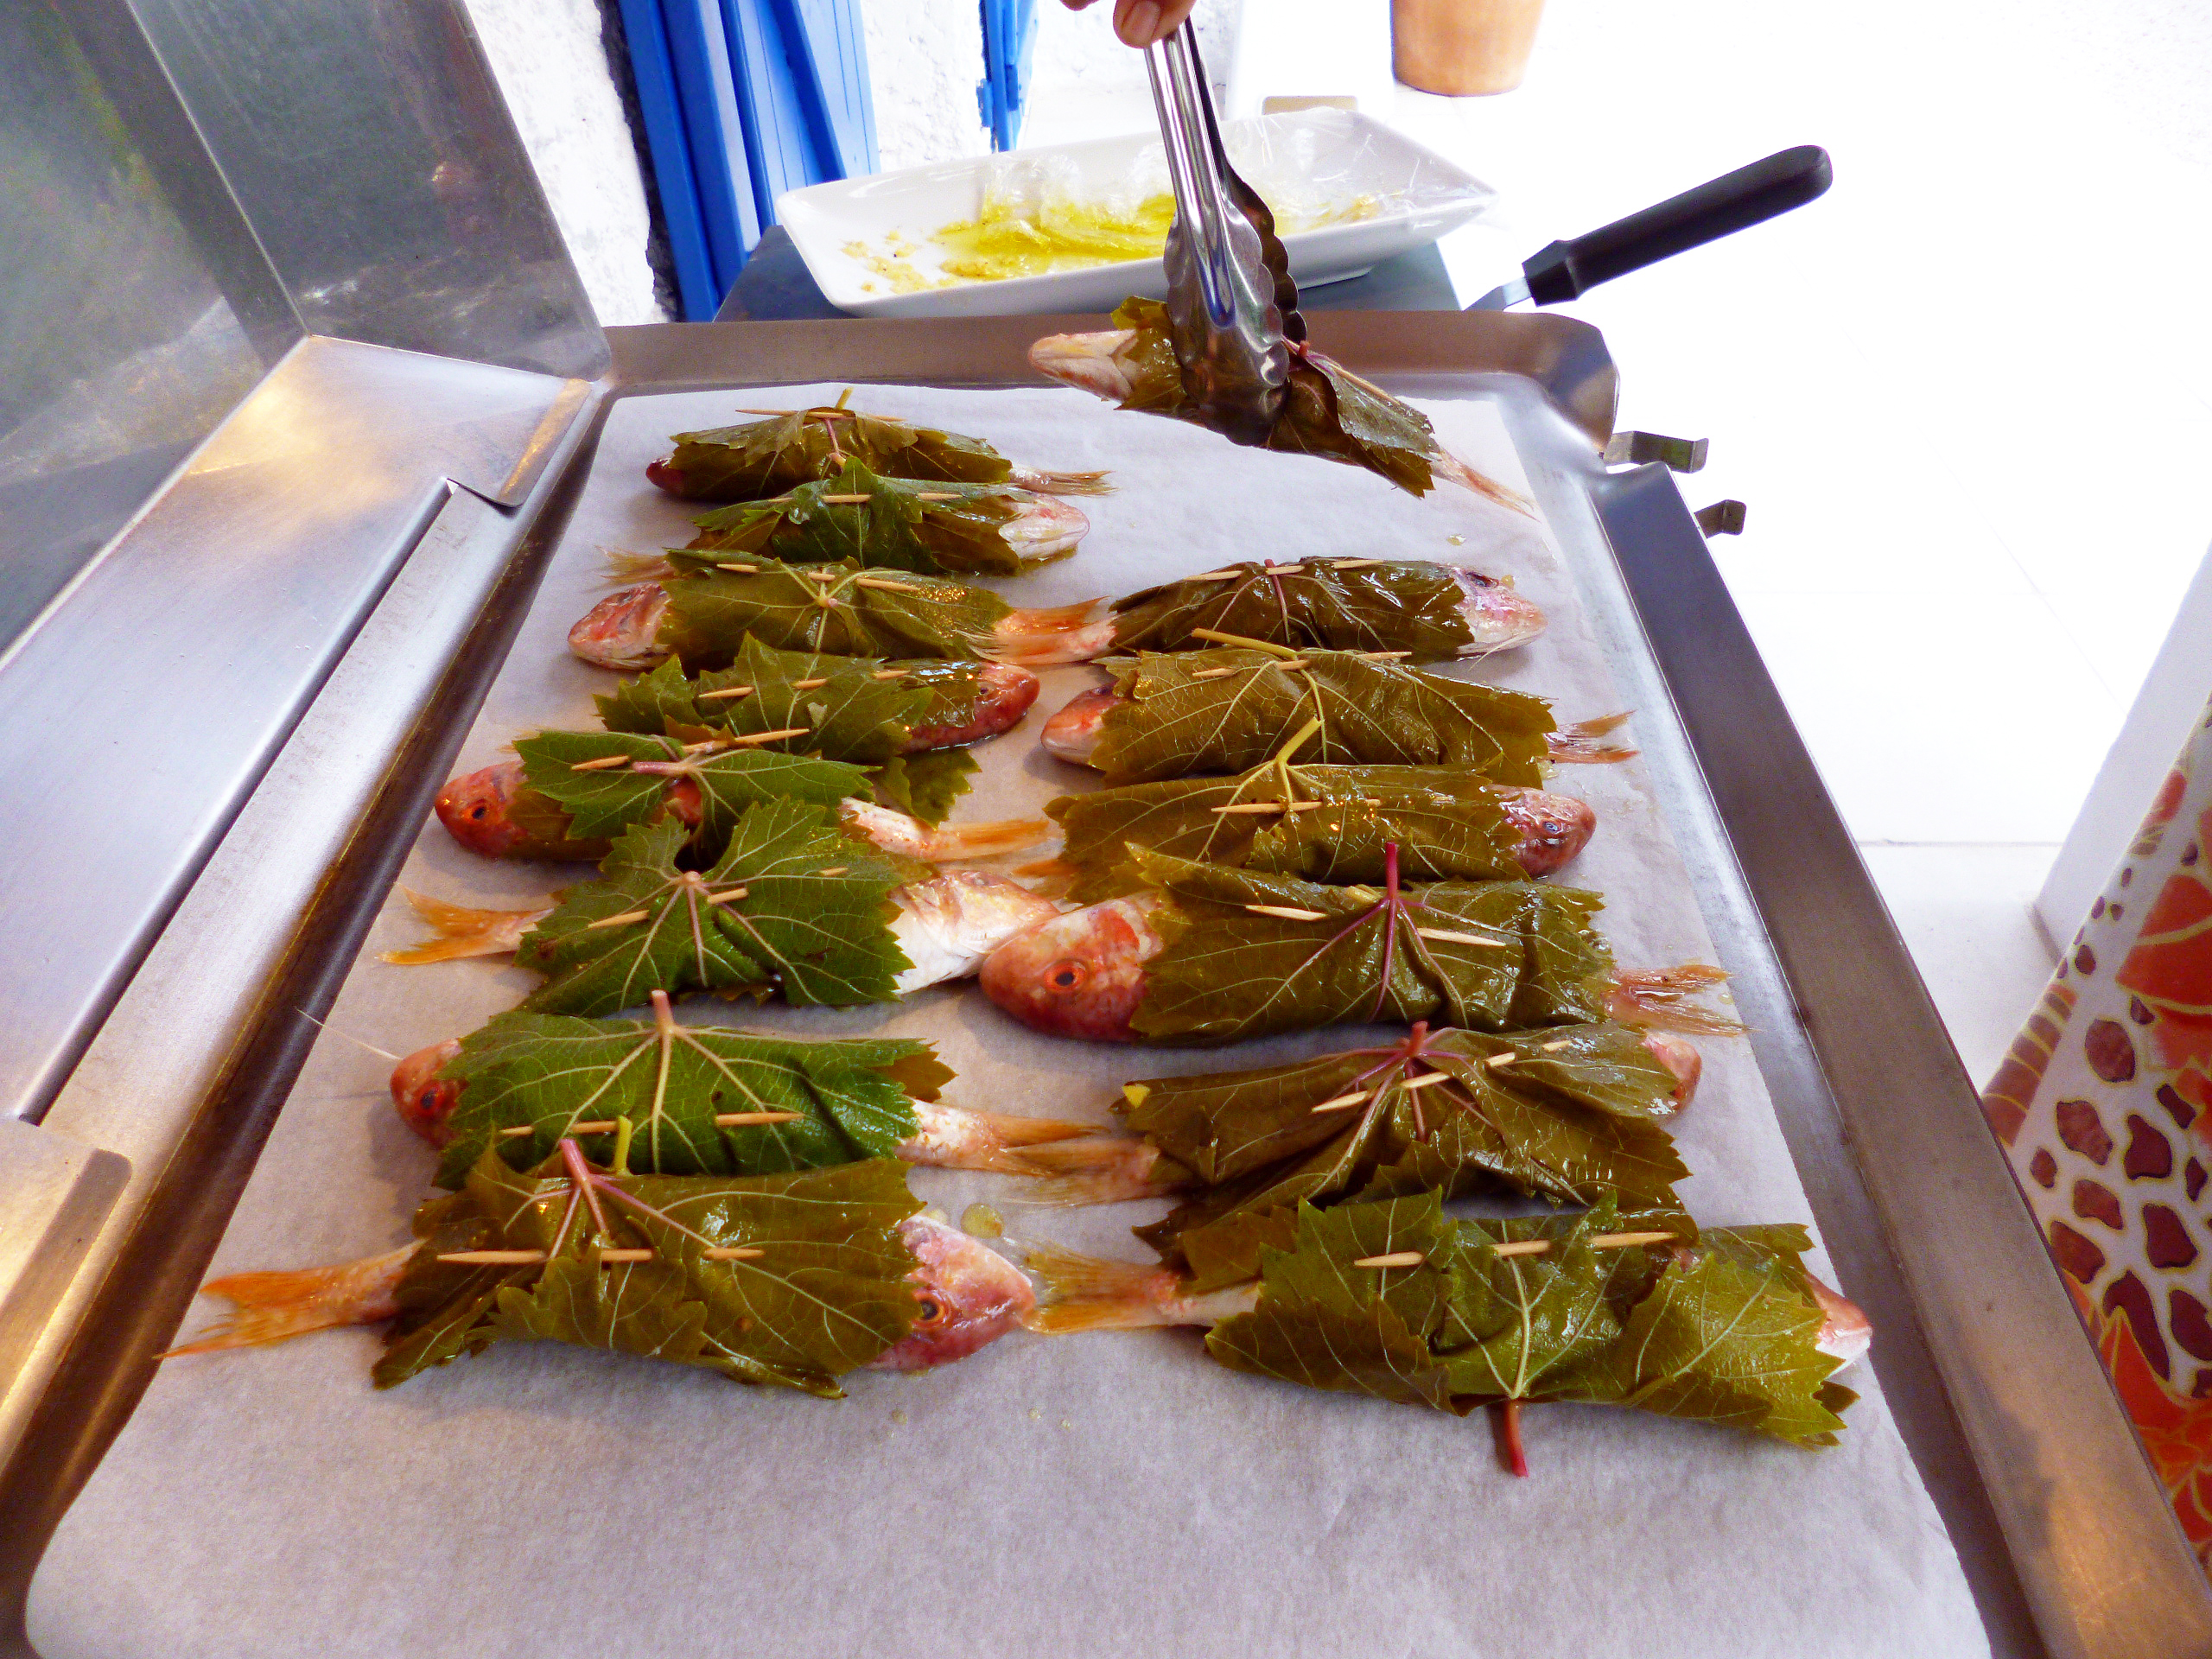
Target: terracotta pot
{"x":1462,"y":47}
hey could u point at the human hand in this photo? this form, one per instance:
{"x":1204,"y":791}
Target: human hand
{"x":1141,"y":22}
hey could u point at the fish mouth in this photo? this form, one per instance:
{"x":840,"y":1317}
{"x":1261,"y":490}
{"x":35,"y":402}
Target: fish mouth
{"x":1072,"y":734}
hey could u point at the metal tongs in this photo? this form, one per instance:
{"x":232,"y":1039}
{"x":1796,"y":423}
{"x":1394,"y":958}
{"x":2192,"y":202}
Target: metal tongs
{"x":1231,"y":305}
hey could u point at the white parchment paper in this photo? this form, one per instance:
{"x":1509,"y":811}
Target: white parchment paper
{"x":1100,"y":1495}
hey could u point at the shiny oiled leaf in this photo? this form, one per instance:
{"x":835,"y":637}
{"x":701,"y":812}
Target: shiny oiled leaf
{"x":757,"y":458}
{"x":841,"y":707}
{"x":1325,"y":603}
{"x":1719,"y":1327}
{"x":600,"y":802}
{"x":854,"y":1097}
{"x":924,"y":786}
{"x":1183,"y":715}
{"x":1227,"y":974}
{"x":1446,"y":826}
{"x":843,"y":609}
{"x":812,"y":923}
{"x":1571,"y":1119}
{"x":899,"y":526}
{"x":827,"y":1294}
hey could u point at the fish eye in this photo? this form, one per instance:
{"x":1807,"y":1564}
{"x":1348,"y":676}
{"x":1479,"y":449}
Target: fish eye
{"x":1066,"y":975}
{"x":478,"y":814}
{"x":932,"y":1312}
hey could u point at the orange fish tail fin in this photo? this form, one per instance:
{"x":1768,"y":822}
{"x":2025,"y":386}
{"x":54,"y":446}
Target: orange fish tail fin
{"x":1102,"y":1169}
{"x":1583,"y":743}
{"x":952,"y":1137}
{"x":1662,"y":998}
{"x":461,"y":932}
{"x":954,"y":841}
{"x":1061,"y":634}
{"x":1449,"y":466}
{"x":270,"y":1307}
{"x":626,"y":568}
{"x":1088,"y":1293}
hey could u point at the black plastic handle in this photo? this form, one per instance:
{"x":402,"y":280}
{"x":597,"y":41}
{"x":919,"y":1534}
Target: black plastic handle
{"x":1787,"y":179}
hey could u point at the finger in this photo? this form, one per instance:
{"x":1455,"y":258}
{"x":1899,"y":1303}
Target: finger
{"x":1138,"y":21}
{"x":1075,"y":5}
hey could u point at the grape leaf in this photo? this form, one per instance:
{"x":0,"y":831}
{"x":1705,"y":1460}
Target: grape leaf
{"x":1181,"y":715}
{"x":1446,"y":826}
{"x":931,"y":528}
{"x":1328,"y":411}
{"x":848,"y":707}
{"x":1226,"y":974}
{"x":595,"y":804}
{"x":812,"y":923}
{"x":827,"y":1294}
{"x":758,"y":458}
{"x":1322,"y":603}
{"x":924,"y":786}
{"x":1719,"y":1327}
{"x":841,"y":608}
{"x":1571,"y":1119}
{"x":549,"y":1072}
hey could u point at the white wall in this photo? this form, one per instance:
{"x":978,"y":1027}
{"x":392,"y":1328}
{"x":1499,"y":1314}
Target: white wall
{"x":925,"y":62}
{"x":552,"y":70}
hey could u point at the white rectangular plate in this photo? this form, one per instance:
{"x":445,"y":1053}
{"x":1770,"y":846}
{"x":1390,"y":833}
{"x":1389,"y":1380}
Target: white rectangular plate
{"x":1315,"y":160}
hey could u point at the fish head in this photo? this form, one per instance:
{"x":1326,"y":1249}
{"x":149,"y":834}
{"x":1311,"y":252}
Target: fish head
{"x":476,"y":808}
{"x":1552,"y":828}
{"x":1072,"y":734}
{"x":1094,"y":363}
{"x":969,"y":1296}
{"x":623,"y":630}
{"x":1680,"y":1058}
{"x":1080,"y":975}
{"x":667,"y":475}
{"x":1497,"y":617}
{"x":424,"y":1100}
{"x":949,"y":924}
{"x":1044,"y":525}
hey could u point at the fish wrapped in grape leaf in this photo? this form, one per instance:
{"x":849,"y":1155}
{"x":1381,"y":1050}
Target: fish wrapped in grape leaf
{"x":887,"y":524}
{"x":1723,"y":1329}
{"x":1428,"y":611}
{"x":1183,"y":714}
{"x":1492,"y":956}
{"x":820,"y":1290}
{"x":760,"y":458}
{"x":793,"y":907}
{"x":1448,"y":826}
{"x":1326,"y":409}
{"x":842,"y":609}
{"x":1568,"y":1113}
{"x":828,"y":1102}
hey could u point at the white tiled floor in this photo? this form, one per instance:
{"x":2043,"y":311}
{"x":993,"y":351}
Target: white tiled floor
{"x":1964,"y":395}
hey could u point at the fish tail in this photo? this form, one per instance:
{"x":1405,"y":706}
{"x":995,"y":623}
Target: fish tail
{"x":1059,"y":634}
{"x":269,"y":1308}
{"x":1101,"y":1169}
{"x":1660,"y":999}
{"x":1580,"y":744}
{"x":952,"y":1137}
{"x":1447,"y":465}
{"x":625,"y":567}
{"x":461,"y":932}
{"x":1046,"y":482}
{"x":1089,"y":1293}
{"x":955,"y":841}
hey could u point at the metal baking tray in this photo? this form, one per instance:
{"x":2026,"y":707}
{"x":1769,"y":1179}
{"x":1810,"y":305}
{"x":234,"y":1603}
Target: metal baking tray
{"x":2057,"y":1518}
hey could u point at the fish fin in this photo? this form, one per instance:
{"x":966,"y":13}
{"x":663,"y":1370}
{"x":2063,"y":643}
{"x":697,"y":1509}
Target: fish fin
{"x":1578,"y":744}
{"x":1089,"y":1293}
{"x":626,"y":568}
{"x":270,"y":1307}
{"x":952,"y":841}
{"x":1101,"y":1169}
{"x":1059,"y":634}
{"x":1046,"y":482}
{"x":952,"y":1137}
{"x":1447,"y":465}
{"x":1658,"y":999}
{"x":1015,"y":1130}
{"x":461,"y":932}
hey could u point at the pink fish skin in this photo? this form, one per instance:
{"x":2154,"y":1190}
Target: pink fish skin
{"x":1497,"y":617}
{"x":1553,"y":829}
{"x":1072,"y":734}
{"x":623,"y":630}
{"x":1007,"y":693}
{"x":424,"y":1100}
{"x":1081,"y":975}
{"x":970,"y":1297}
